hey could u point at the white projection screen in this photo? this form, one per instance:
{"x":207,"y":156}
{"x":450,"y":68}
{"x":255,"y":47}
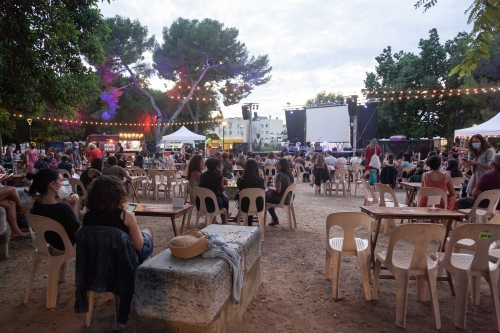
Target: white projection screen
{"x":329,"y":123}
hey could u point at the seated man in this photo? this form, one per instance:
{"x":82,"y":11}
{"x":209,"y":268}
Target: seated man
{"x":341,"y":159}
{"x":488,"y":181}
{"x":41,"y":163}
{"x":114,"y":170}
{"x":65,"y":164}
{"x":330,"y":160}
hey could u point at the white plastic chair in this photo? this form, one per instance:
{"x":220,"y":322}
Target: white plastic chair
{"x":287,"y":207}
{"x":64,"y":173}
{"x":299,"y":171}
{"x":384,"y":189}
{"x":252,"y":194}
{"x":349,"y":245}
{"x":75,"y":185}
{"x":156,"y":182}
{"x":145,"y":182}
{"x":341,"y":179}
{"x":402,"y":264}
{"x":203,"y":194}
{"x":56,"y":260}
{"x":270,"y":172}
{"x":463,"y":267}
{"x":482,"y":215}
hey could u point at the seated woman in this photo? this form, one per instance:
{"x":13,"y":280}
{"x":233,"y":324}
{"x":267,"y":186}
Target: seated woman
{"x":139,"y":161}
{"x":250,"y":179}
{"x":107,"y":199}
{"x":284,"y":178}
{"x":320,"y":171}
{"x":9,"y":199}
{"x":212,"y":179}
{"x":92,"y":172}
{"x":417,"y":172}
{"x":241,"y":160}
{"x":453,"y":169}
{"x":227,"y":166}
{"x":195,"y":168}
{"x":271,"y":159}
{"x":65,"y":164}
{"x":48,"y":183}
{"x":438,"y":179}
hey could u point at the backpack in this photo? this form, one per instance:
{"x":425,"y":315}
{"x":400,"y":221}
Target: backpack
{"x":373,"y":177}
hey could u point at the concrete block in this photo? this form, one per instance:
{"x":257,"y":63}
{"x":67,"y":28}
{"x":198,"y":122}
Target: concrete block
{"x":195,"y":294}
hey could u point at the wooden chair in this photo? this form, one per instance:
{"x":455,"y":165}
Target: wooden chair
{"x":64,"y":173}
{"x":402,"y":264}
{"x":348,"y":245}
{"x":476,"y":214}
{"x":252,"y":194}
{"x":77,"y":187}
{"x":56,"y":260}
{"x":384,"y":189}
{"x":463,"y":267}
{"x":287,"y":207}
{"x":270,"y":172}
{"x":204,"y":194}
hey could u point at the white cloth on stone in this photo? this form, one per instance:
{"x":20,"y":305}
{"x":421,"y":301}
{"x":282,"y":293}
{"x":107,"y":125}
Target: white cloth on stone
{"x":218,"y":248}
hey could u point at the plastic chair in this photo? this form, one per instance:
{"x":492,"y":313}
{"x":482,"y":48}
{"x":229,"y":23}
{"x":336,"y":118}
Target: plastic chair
{"x":406,"y":171}
{"x":77,"y":185}
{"x":370,"y":196}
{"x":433,"y":192}
{"x":299,"y":171}
{"x":402,"y":264}
{"x":341,"y":178}
{"x":383,"y":190}
{"x":156,"y":182}
{"x":64,"y":173}
{"x":170,"y":182}
{"x":270,"y":172}
{"x":357,"y":175}
{"x":457,"y":182}
{"x":476,"y":214}
{"x":131,"y":170}
{"x":463,"y":266}
{"x":204,"y":194}
{"x":56,"y":260}
{"x":287,"y":207}
{"x":145,"y":182}
{"x":252,"y":194}
{"x":349,"y":245}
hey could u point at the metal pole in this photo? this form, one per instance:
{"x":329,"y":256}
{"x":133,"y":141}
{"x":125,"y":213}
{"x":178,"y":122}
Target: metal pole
{"x":223,"y":131}
{"x":29,"y":123}
{"x":250,"y":143}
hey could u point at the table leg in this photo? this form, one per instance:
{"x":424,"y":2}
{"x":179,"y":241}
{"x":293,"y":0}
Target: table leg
{"x":134,"y":189}
{"x":374,"y":240}
{"x":173,"y":225}
{"x":184,"y":221}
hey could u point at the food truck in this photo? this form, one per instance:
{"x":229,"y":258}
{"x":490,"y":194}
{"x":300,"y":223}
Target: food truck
{"x":107,"y":143}
{"x":214,"y":142}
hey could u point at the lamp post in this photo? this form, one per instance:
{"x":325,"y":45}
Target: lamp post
{"x":29,"y":123}
{"x":223,"y":130}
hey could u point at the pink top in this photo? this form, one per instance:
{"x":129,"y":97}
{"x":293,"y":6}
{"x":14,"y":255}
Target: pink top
{"x":32,"y":156}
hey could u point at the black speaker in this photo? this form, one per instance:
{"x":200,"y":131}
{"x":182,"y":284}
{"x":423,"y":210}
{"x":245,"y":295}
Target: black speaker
{"x":237,"y":146}
{"x":367,"y":123}
{"x":245,"y":112}
{"x":295,"y":125}
{"x":200,"y":145}
{"x":352,"y":102}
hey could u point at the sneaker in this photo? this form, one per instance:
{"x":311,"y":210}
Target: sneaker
{"x":272,"y":224}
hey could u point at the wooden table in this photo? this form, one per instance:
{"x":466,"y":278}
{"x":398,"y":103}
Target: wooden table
{"x":410,"y":190}
{"x":380,"y":212}
{"x":231,"y":191}
{"x":134,"y":183}
{"x":165,"y":211}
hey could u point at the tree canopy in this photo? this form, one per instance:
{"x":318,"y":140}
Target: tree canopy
{"x":485,"y":18}
{"x":324,"y":97}
{"x":42,"y":51}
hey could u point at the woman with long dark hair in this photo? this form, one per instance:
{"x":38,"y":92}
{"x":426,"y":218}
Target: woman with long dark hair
{"x":48,"y":183}
{"x":284,"y":178}
{"x":250,"y":179}
{"x":480,"y":155}
{"x":195,"y":168}
{"x":453,"y":169}
{"x":106,"y":202}
{"x":213,"y":180}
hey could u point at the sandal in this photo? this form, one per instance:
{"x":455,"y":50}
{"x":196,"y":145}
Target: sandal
{"x":272,"y":224}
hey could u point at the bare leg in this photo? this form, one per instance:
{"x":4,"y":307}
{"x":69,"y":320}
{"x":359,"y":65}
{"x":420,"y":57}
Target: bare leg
{"x":10,"y":193}
{"x":149,"y":232}
{"x":10,"y":207}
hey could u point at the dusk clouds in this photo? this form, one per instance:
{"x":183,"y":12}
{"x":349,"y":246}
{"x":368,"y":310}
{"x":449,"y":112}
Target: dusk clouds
{"x":312,"y":45}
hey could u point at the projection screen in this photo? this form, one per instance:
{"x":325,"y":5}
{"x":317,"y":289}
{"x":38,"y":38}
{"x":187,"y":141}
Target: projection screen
{"x":329,"y":123}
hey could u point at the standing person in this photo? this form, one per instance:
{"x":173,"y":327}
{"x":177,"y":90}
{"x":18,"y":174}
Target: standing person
{"x":438,"y":179}
{"x":94,"y":153}
{"x":74,"y":154}
{"x":284,"y":178}
{"x":120,"y":148}
{"x":227,"y":166}
{"x":31,"y":156}
{"x":213,"y":180}
{"x":373,"y":149}
{"x":49,"y":184}
{"x":320,"y":171}
{"x":480,"y":155}
{"x":106,"y":202}
{"x":250,"y":179}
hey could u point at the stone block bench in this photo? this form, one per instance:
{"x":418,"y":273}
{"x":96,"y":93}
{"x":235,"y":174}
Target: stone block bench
{"x":5,"y":231}
{"x":194,"y":295}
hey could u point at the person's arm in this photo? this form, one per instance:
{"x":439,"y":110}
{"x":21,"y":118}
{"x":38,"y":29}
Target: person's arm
{"x":134,"y":231}
{"x":488,"y":154}
{"x":451,"y":187}
{"x":2,"y":170}
{"x":222,"y":188}
{"x":278,"y":187}
{"x":125,"y":175}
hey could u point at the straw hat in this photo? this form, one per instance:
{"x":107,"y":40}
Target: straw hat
{"x":189,"y":245}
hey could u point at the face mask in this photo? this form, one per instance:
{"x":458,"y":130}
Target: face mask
{"x":32,"y":147}
{"x":76,"y":147}
{"x":476,"y":145}
{"x":64,"y":191}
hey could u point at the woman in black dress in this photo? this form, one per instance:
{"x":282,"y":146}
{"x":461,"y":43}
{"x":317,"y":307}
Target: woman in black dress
{"x":212,"y":179}
{"x":251,"y":179}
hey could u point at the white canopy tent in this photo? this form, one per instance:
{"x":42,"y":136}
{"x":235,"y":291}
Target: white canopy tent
{"x":183,"y":134}
{"x":488,"y":128}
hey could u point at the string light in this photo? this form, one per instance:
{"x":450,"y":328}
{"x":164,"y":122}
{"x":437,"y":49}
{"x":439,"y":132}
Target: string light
{"x":449,"y":92}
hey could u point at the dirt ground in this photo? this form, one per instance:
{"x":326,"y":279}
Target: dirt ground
{"x":294,"y":295}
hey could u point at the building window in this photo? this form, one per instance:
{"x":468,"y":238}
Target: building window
{"x":266,"y":125}
{"x":242,"y":133}
{"x":258,"y":136}
{"x":230,"y":132}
